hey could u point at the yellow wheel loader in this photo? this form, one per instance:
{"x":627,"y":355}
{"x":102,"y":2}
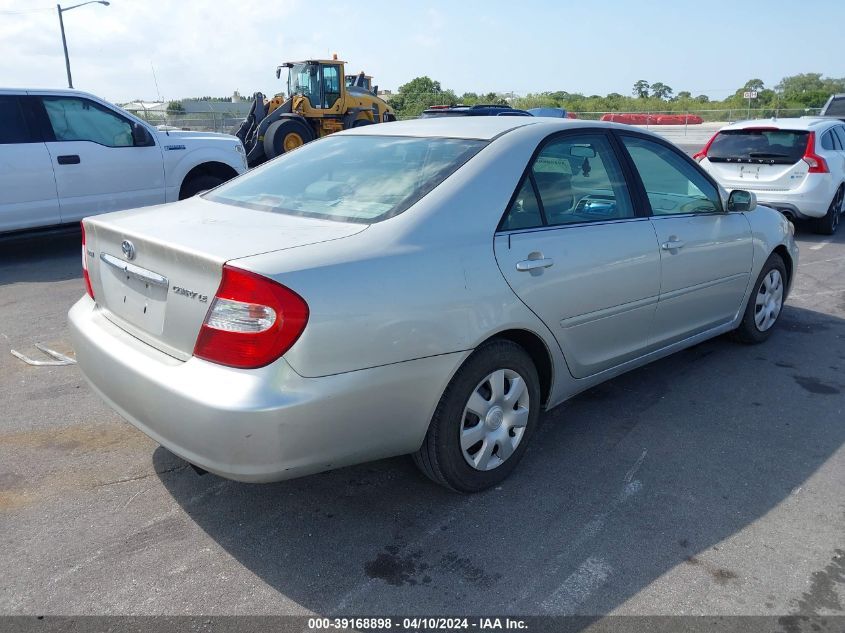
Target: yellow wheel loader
{"x":318,"y":103}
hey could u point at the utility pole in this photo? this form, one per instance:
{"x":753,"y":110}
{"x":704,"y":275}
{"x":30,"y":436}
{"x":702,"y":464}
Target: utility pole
{"x":59,"y":10}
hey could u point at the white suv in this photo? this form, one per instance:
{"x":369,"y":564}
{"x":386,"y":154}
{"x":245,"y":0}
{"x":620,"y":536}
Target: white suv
{"x":794,"y":165}
{"x":65,"y":155}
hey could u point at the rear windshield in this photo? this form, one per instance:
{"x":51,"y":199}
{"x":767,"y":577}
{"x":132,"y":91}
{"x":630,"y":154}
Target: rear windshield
{"x":362,"y":179}
{"x":758,"y":146}
{"x":836,"y":107}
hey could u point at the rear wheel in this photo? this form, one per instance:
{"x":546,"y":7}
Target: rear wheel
{"x":828,"y":224}
{"x":484,"y":420}
{"x":362,"y":122}
{"x":765,"y":303}
{"x":286,"y":135}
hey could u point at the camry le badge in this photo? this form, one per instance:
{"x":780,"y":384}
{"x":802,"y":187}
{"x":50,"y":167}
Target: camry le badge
{"x":128,"y":249}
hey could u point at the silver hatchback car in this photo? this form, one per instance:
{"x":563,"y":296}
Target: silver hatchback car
{"x":423,"y":287}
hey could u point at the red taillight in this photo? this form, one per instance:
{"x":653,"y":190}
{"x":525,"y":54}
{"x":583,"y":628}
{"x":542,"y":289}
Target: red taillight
{"x":252,"y":321}
{"x":699,"y":156}
{"x":818,"y":165}
{"x":85,"y":277}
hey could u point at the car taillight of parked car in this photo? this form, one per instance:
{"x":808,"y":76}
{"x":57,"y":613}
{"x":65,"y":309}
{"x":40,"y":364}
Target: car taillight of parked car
{"x":818,"y":165}
{"x":85,"y":276}
{"x":699,"y":156}
{"x":252,"y":321}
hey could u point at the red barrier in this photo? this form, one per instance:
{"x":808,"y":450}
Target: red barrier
{"x":571,"y":115}
{"x":653,"y":119}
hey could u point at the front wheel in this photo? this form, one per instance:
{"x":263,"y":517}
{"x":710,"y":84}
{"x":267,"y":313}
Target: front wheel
{"x":765,"y":303}
{"x":285,"y":135}
{"x":484,"y":420}
{"x":198,"y":184}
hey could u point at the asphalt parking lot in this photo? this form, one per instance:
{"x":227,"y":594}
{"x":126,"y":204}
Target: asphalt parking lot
{"x":710,"y":482}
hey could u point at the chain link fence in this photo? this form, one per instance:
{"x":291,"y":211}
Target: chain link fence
{"x":227,"y":122}
{"x":224,"y":122}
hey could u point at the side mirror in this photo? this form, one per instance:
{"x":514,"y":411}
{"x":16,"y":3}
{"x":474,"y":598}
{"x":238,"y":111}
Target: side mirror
{"x":140,"y":136}
{"x":742,"y":201}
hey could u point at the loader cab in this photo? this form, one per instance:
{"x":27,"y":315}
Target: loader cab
{"x":360,"y":81}
{"x":319,"y":81}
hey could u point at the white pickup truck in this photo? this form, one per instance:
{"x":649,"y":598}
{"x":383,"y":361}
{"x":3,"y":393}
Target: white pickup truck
{"x":66,"y":154}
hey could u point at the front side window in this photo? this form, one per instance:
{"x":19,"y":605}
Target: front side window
{"x":304,"y":79}
{"x":74,"y":119}
{"x":573,"y":179}
{"x":350,"y":178}
{"x":672,"y":185}
{"x":13,"y":128}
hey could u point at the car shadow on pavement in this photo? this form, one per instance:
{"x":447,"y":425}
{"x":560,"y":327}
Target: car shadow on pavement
{"x":41,"y":256}
{"x":646,"y":474}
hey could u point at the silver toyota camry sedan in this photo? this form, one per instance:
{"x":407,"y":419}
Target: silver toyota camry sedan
{"x":425,"y":287}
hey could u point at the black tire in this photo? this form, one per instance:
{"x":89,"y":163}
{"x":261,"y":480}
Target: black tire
{"x":748,"y":331}
{"x":441,"y":457}
{"x":282,"y":136}
{"x":361,"y":123}
{"x":828,"y":224}
{"x":198,"y":184}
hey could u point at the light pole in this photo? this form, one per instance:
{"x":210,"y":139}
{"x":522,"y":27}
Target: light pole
{"x":62,"y":26}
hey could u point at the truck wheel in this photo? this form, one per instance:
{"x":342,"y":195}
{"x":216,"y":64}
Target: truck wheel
{"x":198,"y":184}
{"x":362,"y":122}
{"x":286,"y":135}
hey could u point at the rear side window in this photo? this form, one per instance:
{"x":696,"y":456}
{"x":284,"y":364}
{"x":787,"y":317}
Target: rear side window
{"x":13,"y":128}
{"x":74,"y":119}
{"x":758,"y":145}
{"x":350,"y":178}
{"x":827,"y":140}
{"x":574,"y":179}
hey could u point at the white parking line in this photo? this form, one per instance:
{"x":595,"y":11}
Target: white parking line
{"x":577,"y":587}
{"x":820,"y":245}
{"x":820,"y":261}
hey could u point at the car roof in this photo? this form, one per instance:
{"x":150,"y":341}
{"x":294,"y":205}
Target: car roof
{"x":46,"y":91}
{"x":482,"y":127}
{"x":803,"y":124}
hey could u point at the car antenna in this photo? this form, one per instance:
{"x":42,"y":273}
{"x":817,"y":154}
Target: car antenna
{"x":158,"y":92}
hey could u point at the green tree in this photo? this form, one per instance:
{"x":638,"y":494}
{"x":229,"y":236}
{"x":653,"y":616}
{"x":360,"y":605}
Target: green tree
{"x":753,"y":84}
{"x":641,"y":89}
{"x":175,"y":107}
{"x":684,"y":94}
{"x":808,"y":89}
{"x":659,"y":90}
{"x":418,"y":94}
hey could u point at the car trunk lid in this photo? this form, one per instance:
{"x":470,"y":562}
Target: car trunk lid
{"x":759,"y":158}
{"x":155,"y":271}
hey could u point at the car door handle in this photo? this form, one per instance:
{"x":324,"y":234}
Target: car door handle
{"x":672,"y":245}
{"x":528,"y":265}
{"x":68,"y":159}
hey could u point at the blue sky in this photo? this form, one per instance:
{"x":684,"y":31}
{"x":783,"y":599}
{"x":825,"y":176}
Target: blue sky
{"x":200,"y":47}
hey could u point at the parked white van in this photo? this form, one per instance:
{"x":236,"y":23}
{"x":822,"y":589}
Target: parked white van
{"x":66,"y":154}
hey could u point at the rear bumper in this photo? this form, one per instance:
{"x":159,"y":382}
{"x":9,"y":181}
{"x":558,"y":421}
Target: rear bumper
{"x":810,"y":200}
{"x":259,"y":425}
